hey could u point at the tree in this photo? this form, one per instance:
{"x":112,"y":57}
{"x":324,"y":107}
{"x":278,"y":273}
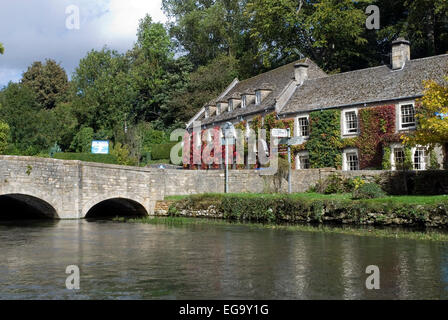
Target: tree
{"x":2,"y":49}
{"x":104,"y":94}
{"x":48,"y":81}
{"x":205,"y":30}
{"x":432,"y":116}
{"x":4,"y":136}
{"x":150,"y":59}
{"x":331,"y":32}
{"x":204,"y":84}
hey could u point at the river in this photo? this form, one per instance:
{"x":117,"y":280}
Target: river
{"x":143,"y":261}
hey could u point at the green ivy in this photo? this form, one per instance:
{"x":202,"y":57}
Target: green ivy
{"x":386,"y":159}
{"x":325,"y":142}
{"x":433,"y":162}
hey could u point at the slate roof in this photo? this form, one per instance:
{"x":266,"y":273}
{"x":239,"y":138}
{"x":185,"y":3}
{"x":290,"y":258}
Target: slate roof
{"x":367,"y":85}
{"x":275,"y":80}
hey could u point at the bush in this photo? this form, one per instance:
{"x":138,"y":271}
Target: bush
{"x":161,"y":151}
{"x":293,"y":209}
{"x":82,"y":142}
{"x":88,"y":157}
{"x":368,"y":191}
{"x":122,"y":155}
{"x":4,"y":136}
{"x":337,"y":184}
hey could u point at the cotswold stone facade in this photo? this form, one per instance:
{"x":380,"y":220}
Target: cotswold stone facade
{"x":374,"y":107}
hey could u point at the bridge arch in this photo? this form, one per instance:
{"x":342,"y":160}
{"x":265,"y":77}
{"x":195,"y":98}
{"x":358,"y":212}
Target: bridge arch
{"x":115,"y":205}
{"x":24,"y":206}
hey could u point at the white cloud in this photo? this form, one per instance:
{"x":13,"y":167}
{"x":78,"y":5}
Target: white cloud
{"x":35,"y":30}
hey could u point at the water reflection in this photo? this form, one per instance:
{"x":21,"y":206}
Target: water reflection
{"x":122,"y":261}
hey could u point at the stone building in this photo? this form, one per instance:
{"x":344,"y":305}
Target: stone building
{"x":296,"y":90}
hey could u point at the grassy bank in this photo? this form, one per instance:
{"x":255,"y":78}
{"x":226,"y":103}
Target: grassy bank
{"x":416,"y":211}
{"x":361,"y":232}
{"x":419,"y":200}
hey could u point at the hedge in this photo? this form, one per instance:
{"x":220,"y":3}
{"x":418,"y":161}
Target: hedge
{"x":88,"y":157}
{"x":161,"y":151}
{"x":281,"y":209}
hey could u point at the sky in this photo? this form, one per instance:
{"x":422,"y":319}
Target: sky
{"x":35,"y":30}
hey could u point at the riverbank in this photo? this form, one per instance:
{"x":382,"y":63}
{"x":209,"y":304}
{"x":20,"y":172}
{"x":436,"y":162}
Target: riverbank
{"x":407,"y":211}
{"x":387,"y":232}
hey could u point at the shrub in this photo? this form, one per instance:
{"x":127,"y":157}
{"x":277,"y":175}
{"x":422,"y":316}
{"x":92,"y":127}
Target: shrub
{"x":368,"y":191}
{"x":88,"y":157}
{"x":82,"y":142}
{"x":161,"y":151}
{"x":4,"y":136}
{"x":122,"y":154}
{"x":337,"y":184}
{"x":433,"y":161}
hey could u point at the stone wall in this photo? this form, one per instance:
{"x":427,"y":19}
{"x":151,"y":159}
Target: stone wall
{"x":184,"y":182}
{"x":72,"y":188}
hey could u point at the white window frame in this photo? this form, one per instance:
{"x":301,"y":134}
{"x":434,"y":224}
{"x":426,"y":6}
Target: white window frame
{"x":425,"y":158}
{"x":297,"y":129}
{"x":243,"y":101}
{"x":298,"y":162}
{"x":345,"y":165}
{"x":400,"y":120}
{"x":344,"y":122}
{"x":394,"y":146}
{"x":258,"y":97}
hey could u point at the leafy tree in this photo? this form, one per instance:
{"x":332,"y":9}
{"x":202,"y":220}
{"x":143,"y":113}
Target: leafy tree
{"x":431,"y":114}
{"x":83,"y":140}
{"x":2,"y":49}
{"x":204,"y":85}
{"x":19,"y":110}
{"x":48,"y":81}
{"x":4,"y":136}
{"x":331,"y":32}
{"x":104,"y":95}
{"x":122,"y":153}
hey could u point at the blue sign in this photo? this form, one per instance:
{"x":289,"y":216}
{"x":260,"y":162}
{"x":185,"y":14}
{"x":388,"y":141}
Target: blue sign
{"x":100,"y":147}
{"x":442,"y":115}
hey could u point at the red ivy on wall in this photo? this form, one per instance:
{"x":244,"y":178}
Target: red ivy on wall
{"x":377,"y":126}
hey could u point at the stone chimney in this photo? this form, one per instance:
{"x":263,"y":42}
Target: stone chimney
{"x":401,"y":53}
{"x":301,"y":72}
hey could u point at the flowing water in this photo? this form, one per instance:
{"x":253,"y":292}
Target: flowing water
{"x":143,"y":261}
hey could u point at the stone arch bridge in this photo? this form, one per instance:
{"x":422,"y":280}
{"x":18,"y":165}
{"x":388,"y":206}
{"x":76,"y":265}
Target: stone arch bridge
{"x":73,"y":189}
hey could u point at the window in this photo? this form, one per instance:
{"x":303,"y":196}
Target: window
{"x":303,"y":161}
{"x":230,"y":105}
{"x":303,"y":126}
{"x":407,"y":116}
{"x":399,"y":157}
{"x":243,"y":101}
{"x":258,"y":97}
{"x":419,"y":159}
{"x":350,"y":160}
{"x":351,"y":122}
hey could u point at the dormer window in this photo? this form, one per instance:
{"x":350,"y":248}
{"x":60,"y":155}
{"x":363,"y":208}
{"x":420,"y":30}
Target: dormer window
{"x":230,"y":105}
{"x":257,"y":97}
{"x":243,"y":101}
{"x":218,"y":109}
